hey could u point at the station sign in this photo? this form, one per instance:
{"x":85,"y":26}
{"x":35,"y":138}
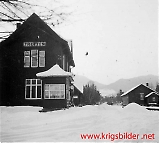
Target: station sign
{"x":34,"y":44}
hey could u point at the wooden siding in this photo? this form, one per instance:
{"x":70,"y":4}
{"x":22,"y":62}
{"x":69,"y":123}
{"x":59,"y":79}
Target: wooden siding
{"x":77,"y":93}
{"x":125,"y":100}
{"x":54,"y":103}
{"x":134,"y":95}
{"x":12,"y":71}
{"x":150,"y":101}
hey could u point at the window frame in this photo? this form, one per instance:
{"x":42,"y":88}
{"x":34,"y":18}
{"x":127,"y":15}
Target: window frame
{"x":141,"y":96}
{"x":154,"y":99}
{"x":27,"y":56}
{"x":31,"y":85}
{"x":34,"y":57}
{"x":49,"y":91}
{"x":63,"y":62}
{"x":41,"y":56}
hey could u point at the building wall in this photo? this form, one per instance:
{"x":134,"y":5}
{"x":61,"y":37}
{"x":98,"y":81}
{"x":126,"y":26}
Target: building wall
{"x":12,"y":75}
{"x":54,"y":103}
{"x":150,"y":99}
{"x":76,"y":93}
{"x":125,"y":100}
{"x":134,"y":95}
{"x":13,"y":71}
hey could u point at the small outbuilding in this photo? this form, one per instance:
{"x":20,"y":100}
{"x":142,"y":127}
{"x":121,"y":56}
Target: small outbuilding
{"x":77,"y":96}
{"x":152,"y":99}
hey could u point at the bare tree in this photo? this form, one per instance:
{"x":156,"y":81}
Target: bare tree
{"x":53,"y":12}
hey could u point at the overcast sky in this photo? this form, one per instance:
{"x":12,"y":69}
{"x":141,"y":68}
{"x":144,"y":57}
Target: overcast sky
{"x":120,"y":36}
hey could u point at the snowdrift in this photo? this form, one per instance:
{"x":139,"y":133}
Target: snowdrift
{"x":27,"y":124}
{"x":134,"y":107}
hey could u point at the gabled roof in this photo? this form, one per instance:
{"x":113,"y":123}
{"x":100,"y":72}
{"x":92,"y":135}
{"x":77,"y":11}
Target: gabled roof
{"x":35,"y":21}
{"x":151,"y":94}
{"x":78,"y":89}
{"x":54,"y":72}
{"x":135,"y":88}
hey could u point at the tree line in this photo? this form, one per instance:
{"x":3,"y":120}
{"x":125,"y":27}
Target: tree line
{"x":91,"y":94}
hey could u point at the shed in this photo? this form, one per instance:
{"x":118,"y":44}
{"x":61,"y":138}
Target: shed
{"x":152,"y":99}
{"x":77,"y":96}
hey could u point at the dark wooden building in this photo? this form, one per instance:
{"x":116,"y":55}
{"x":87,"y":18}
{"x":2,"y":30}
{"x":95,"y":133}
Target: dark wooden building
{"x":142,"y":95}
{"x":32,"y":48}
{"x":152,"y":99}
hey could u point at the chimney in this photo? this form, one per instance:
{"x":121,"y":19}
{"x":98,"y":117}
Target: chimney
{"x":18,"y":25}
{"x":147,"y":84}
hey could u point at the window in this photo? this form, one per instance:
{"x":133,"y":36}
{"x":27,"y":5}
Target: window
{"x":41,"y":58}
{"x":154,"y":99}
{"x":141,"y":96}
{"x":64,"y":60}
{"x":33,"y":89}
{"x":35,"y":61}
{"x":26,"y":58}
{"x":54,"y":91}
{"x":34,"y":58}
{"x":67,"y":65}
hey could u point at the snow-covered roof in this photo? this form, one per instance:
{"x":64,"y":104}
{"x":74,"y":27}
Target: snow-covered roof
{"x":54,"y":72}
{"x":151,"y":94}
{"x":130,"y":90}
{"x":135,"y":88}
{"x":78,"y":88}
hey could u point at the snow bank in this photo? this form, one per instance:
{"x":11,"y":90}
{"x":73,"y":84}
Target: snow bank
{"x":134,"y":107}
{"x":26,"y":124}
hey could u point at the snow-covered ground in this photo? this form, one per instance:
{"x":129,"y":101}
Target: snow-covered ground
{"x":25,"y":124}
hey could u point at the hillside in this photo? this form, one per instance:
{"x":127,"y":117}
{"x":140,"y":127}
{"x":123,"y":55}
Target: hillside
{"x":79,"y":81}
{"x":126,"y":84}
{"x":113,"y":88}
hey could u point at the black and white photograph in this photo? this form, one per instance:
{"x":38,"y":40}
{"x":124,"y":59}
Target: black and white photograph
{"x":79,"y":71}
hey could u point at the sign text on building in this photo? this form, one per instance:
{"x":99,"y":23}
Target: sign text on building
{"x":34,"y":44}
